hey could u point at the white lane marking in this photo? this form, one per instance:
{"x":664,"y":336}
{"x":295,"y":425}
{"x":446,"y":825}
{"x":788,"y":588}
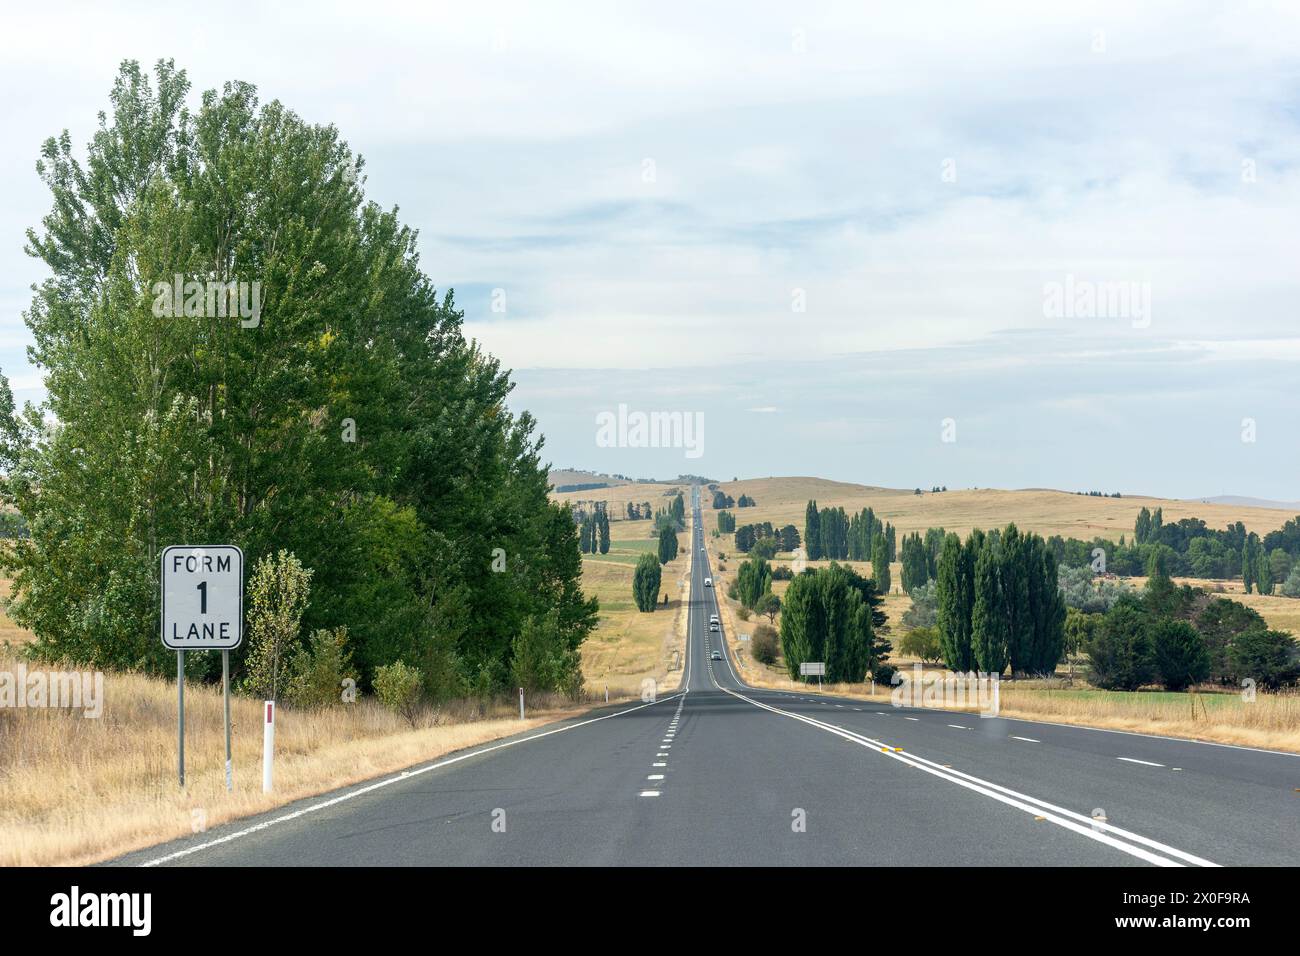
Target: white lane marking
{"x":1028,"y":740}
{"x":649,"y":793}
{"x":911,"y":718}
{"x":655,"y":776}
{"x":1076,"y":822}
{"x":659,"y":764}
{"x":958,"y":727}
{"x":1145,"y":763}
{"x":661,"y":754}
{"x":397,"y":778}
{"x":1100,"y":831}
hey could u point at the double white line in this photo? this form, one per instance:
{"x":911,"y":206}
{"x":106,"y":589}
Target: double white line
{"x":1134,"y":844}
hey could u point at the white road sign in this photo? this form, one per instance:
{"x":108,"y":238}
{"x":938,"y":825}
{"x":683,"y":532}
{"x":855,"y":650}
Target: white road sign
{"x":813,"y":669}
{"x":202,"y":597}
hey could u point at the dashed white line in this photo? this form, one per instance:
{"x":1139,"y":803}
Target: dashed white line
{"x":1145,"y":763}
{"x":1028,"y":740}
{"x":649,"y":793}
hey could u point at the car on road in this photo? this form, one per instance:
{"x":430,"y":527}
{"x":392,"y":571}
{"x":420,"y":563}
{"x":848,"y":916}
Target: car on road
{"x":708,"y":582}
{"x":713,"y":625}
{"x":715,"y":656}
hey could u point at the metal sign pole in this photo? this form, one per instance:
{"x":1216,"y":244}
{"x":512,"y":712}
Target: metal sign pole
{"x":225,"y":687}
{"x":180,"y":717}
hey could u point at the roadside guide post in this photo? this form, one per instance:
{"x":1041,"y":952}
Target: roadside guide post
{"x":202,"y":610}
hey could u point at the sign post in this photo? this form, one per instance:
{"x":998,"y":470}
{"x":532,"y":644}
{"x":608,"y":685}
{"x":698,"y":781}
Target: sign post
{"x":180,"y":717}
{"x":808,"y":668}
{"x":202,"y":610}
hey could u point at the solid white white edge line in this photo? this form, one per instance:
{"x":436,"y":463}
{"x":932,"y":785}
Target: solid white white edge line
{"x":379,"y":784}
{"x":1093,"y":830}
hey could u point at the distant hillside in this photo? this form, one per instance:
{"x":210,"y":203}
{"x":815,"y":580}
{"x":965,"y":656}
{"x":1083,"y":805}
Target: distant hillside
{"x":1244,"y":502}
{"x":569,"y":478}
{"x":783,"y":501}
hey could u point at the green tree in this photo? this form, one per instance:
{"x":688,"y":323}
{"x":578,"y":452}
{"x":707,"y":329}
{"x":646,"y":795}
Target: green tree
{"x":954,"y":590}
{"x":880,"y":563}
{"x":340,"y":414}
{"x":1269,"y":658}
{"x":824,"y":618}
{"x":768,"y":604}
{"x":278,"y":593}
{"x":989,"y":615}
{"x":753,"y":580}
{"x":1180,"y":655}
{"x":667,"y":544}
{"x":645,"y":582}
{"x":1120,"y":655}
{"x":812,"y":534}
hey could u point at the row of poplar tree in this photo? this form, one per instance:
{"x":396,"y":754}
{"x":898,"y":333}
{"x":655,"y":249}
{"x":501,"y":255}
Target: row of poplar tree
{"x":998,"y":603}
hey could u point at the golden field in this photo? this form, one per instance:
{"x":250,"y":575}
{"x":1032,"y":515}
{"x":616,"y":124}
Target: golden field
{"x":783,"y":500}
{"x":629,"y":646}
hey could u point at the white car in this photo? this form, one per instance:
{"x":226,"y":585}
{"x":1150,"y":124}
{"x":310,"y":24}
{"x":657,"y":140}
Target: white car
{"x":716,"y":656}
{"x":713,"y":625}
{"x":708,"y":582}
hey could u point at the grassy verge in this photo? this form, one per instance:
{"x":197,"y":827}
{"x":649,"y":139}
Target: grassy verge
{"x":75,"y":790}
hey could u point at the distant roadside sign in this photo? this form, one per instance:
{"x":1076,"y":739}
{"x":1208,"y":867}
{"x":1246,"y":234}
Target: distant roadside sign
{"x":202,"y":597}
{"x":813,"y":669}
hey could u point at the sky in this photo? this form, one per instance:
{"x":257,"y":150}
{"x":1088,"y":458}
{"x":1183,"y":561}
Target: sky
{"x":872,"y":242}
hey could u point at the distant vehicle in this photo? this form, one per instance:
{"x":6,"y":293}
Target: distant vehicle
{"x":713,"y":625}
{"x":708,"y":582}
{"x":713,"y":617}
{"x":715,"y":656}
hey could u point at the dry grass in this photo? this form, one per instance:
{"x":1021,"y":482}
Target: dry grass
{"x":75,"y":790}
{"x":783,"y":500}
{"x":629,"y":646}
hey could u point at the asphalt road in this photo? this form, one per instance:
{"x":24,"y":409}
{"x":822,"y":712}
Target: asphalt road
{"x":722,"y":774}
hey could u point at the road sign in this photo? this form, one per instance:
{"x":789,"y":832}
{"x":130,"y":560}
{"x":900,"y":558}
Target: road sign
{"x":817,"y":668}
{"x":202,"y":597}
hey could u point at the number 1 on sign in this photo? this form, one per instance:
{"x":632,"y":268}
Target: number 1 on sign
{"x":203,"y":597}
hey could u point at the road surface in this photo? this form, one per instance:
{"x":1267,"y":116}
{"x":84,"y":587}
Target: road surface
{"x":723,"y":774}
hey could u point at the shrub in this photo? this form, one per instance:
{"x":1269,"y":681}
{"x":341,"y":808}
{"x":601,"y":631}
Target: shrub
{"x":764,"y":644}
{"x":1269,"y":658}
{"x":1120,"y":653}
{"x":743,"y":613}
{"x":398,"y":688}
{"x":884,"y":674}
{"x":922,"y":643}
{"x":924,"y":610}
{"x":1180,"y":654}
{"x":1291,"y":586}
{"x":782,"y":572}
{"x":318,"y":669}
